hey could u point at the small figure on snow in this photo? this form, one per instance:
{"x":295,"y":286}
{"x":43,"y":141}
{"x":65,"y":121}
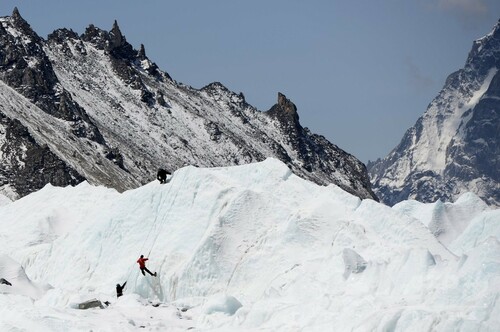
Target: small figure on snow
{"x":119,"y":289}
{"x":162,"y":175}
{"x":142,"y":265}
{"x":5,"y":282}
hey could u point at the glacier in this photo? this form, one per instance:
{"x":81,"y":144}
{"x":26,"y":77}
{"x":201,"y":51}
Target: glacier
{"x":251,"y":247}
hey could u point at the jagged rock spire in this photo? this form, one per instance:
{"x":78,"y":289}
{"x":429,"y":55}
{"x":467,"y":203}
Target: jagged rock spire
{"x":285,"y":109}
{"x":117,"y":38}
{"x":286,"y":105}
{"x":21,"y":24}
{"x":15,"y":13}
{"x":142,"y":53}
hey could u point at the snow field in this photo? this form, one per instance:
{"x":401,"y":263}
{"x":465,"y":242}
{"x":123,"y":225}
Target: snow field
{"x":249,"y":247}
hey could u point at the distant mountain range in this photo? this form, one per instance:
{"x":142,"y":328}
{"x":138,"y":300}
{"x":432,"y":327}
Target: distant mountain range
{"x":454,"y":147}
{"x":91,"y":107}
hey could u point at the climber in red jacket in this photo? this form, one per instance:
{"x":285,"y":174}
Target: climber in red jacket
{"x":142,"y":266}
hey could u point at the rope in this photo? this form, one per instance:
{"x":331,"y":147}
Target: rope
{"x":150,"y":230}
{"x":153,"y":226}
{"x":162,"y":224}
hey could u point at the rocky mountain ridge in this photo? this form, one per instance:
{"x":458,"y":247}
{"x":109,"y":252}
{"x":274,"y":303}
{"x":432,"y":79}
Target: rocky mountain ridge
{"x":93,"y":108}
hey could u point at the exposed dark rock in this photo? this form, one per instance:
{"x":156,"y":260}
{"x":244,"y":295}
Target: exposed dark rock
{"x":28,"y":166}
{"x":115,"y":156}
{"x":214,"y":131}
{"x":160,"y":99}
{"x":118,"y":45}
{"x":286,"y":112}
{"x":60,"y":36}
{"x":142,"y":53}
{"x":94,"y":303}
{"x":37,"y":81}
{"x":99,"y":38}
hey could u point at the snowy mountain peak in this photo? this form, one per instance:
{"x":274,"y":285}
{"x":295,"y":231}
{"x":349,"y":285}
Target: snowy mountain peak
{"x":493,"y":34}
{"x":109,"y":115}
{"x":454,"y":147}
{"x":484,"y":51}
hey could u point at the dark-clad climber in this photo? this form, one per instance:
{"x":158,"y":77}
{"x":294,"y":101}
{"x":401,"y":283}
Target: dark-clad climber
{"x":5,"y":282}
{"x":162,"y":175}
{"x":119,"y":289}
{"x":142,"y":265}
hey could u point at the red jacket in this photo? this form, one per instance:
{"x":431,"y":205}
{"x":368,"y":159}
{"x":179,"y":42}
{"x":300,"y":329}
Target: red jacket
{"x":142,"y":262}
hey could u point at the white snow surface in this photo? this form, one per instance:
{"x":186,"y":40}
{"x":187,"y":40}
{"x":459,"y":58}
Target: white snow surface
{"x":251,"y":248}
{"x":4,"y":200}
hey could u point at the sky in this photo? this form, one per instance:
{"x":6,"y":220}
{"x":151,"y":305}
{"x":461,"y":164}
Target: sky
{"x":359,"y":72}
{"x":246,"y":248}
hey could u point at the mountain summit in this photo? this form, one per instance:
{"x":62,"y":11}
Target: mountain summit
{"x":91,"y":107}
{"x":454,"y":147}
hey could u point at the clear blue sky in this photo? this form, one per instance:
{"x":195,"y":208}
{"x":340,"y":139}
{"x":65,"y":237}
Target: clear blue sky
{"x":360,"y":72}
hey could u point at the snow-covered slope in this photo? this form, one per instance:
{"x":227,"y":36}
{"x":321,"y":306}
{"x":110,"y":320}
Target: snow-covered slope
{"x":250,"y":247}
{"x":105,"y":113}
{"x":454,"y":147}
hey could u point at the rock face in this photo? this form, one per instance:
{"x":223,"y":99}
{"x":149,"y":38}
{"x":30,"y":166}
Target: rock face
{"x":454,"y":147}
{"x":93,"y":108}
{"x":28,"y":165}
{"x":94,"y":303}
